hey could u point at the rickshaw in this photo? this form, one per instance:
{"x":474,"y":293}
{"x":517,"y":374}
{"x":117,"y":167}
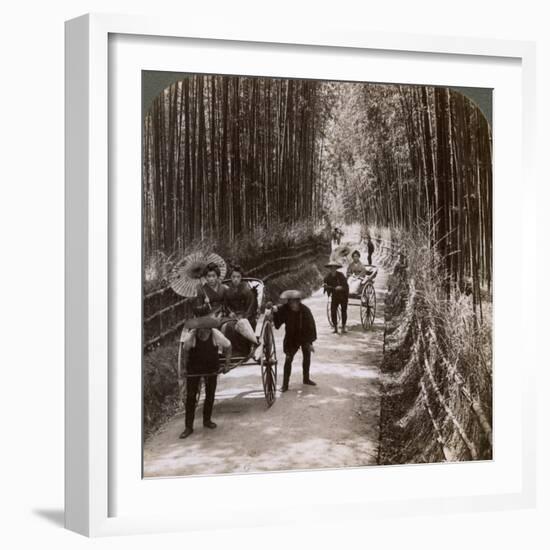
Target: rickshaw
{"x":265,"y":355}
{"x":365,"y":299}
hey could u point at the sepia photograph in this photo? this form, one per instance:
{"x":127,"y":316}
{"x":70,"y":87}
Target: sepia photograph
{"x":317,"y":267}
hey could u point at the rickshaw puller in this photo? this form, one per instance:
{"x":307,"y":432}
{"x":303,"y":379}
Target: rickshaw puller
{"x":300,"y":332}
{"x":336,"y":285}
{"x":201,"y":360}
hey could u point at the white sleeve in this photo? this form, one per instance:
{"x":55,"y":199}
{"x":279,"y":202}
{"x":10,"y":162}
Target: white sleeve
{"x":220,"y":340}
{"x":189,"y":341}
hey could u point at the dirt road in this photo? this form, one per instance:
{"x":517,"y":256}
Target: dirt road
{"x":334,"y":424}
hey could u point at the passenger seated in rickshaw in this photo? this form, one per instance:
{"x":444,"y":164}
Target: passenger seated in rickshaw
{"x":210,"y":300}
{"x":240,"y":307}
{"x":356,"y":273}
{"x":211,"y":297}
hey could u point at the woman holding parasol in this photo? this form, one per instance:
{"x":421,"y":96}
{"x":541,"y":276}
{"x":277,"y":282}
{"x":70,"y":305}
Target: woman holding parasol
{"x":211,"y":295}
{"x":198,"y":277}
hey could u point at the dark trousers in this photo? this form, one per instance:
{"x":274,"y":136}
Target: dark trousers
{"x":306,"y":362}
{"x":369,"y":257}
{"x":334,"y":303}
{"x":210,"y":383}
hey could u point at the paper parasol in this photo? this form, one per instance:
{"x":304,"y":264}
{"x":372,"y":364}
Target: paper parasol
{"x":187,"y":276}
{"x":341,"y":253}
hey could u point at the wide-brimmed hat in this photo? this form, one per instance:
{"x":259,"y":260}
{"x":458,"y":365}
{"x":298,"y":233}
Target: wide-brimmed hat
{"x":291,"y":295}
{"x":202,"y":322}
{"x":333,"y":263}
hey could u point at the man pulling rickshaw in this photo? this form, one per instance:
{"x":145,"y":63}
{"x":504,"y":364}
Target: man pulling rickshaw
{"x":335,"y":285}
{"x":201,"y":361}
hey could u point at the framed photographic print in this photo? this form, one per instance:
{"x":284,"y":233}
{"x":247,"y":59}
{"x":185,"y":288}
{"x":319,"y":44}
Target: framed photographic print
{"x":293,"y":268}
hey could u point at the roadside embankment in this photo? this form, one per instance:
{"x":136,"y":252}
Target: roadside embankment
{"x":437,"y":366}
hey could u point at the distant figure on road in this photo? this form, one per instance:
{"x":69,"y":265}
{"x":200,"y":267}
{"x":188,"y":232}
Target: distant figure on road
{"x":201,"y":360}
{"x":300,"y":332}
{"x":337,"y":235}
{"x":370,"y":249}
{"x":336,"y":286}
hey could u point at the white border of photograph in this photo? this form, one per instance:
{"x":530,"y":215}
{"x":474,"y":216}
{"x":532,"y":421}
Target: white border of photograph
{"x":105,"y":492}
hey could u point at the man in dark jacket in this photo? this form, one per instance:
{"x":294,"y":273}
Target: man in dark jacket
{"x":336,"y":286}
{"x":370,"y":249}
{"x":300,"y":332}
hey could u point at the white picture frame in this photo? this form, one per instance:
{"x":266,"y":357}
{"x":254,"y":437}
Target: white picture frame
{"x":93,"y":228}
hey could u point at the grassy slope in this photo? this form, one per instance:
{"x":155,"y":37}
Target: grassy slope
{"x":437,"y":375}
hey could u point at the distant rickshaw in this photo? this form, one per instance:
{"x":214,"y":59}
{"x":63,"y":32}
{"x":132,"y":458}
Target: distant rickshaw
{"x":365,"y":299}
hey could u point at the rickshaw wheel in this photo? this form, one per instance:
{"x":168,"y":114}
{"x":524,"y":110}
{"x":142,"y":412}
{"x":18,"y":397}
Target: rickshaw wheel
{"x":268,"y":364}
{"x":338,"y":313}
{"x":368,"y":306}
